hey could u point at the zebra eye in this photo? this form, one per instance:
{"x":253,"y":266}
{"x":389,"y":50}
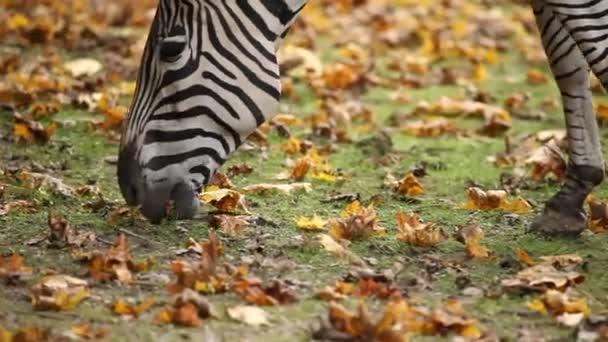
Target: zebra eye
{"x":172,"y":46}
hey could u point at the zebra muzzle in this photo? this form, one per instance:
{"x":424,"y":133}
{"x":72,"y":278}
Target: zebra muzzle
{"x":154,"y":197}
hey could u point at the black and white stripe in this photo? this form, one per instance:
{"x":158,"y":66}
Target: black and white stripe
{"x":209,"y":77}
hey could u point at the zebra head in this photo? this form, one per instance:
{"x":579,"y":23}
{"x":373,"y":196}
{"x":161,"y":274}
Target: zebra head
{"x":208,"y":78}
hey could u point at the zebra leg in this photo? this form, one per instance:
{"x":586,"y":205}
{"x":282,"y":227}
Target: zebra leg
{"x":564,"y":213}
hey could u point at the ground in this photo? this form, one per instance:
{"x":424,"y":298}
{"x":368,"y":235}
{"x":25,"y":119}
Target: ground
{"x":79,"y":155}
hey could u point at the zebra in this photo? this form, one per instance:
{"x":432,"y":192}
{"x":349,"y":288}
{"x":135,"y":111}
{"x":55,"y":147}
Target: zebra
{"x":209,"y":77}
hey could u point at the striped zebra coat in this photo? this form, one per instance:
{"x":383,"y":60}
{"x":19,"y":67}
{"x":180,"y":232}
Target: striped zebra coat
{"x":209,"y":77}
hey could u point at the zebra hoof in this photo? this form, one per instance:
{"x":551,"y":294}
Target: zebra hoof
{"x":553,"y":222}
{"x":185,"y":200}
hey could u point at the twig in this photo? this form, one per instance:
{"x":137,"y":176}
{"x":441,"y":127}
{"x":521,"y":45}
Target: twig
{"x":138,"y":236}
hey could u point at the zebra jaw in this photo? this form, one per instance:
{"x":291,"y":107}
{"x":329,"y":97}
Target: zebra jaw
{"x":154,"y":197}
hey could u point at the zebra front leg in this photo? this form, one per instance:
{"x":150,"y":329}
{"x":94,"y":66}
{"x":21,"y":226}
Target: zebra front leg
{"x":564,"y":212}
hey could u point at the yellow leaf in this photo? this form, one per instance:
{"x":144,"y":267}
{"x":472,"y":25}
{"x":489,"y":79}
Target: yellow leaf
{"x":314,"y":223}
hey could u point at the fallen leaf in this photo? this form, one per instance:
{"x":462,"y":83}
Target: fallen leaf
{"x":471,"y":235}
{"x":283,"y":188}
{"x":232,"y":225}
{"x":189,"y":309}
{"x":314,"y":223}
{"x":12,"y":269}
{"x":478,"y":199}
{"x":253,"y":292}
{"x":59,"y":292}
{"x":356,"y":222}
{"x":411,"y":231}
{"x":124,"y":308}
{"x":223,"y":199}
{"x":249,"y":314}
{"x":550,"y":273}
{"x":409,"y":186}
{"x":116,"y":263}
{"x":83,"y":67}
{"x":560,"y":305}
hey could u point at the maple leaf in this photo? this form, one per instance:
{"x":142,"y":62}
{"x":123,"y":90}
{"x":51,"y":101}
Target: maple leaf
{"x":409,"y":186}
{"x":232,"y":225}
{"x":356,"y":222}
{"x":312,"y":224}
{"x":471,"y":235}
{"x":253,"y":292}
{"x":59,"y":292}
{"x":552,"y":272}
{"x":124,"y":308}
{"x":451,"y":316}
{"x":204,"y":275}
{"x":478,"y":199}
{"x":223,"y":199}
{"x":411,"y":231}
{"x":60,"y":232}
{"x":566,"y":310}
{"x":340,"y":324}
{"x":115,"y":263}
{"x":12,"y":269}
{"x":434,"y":127}
{"x":32,"y":131}
{"x":189,"y":309}
{"x":598,"y":218}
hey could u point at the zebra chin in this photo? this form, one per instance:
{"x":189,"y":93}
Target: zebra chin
{"x":154,"y":197}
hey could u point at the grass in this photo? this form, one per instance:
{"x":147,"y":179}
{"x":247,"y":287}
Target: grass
{"x":79,"y":157}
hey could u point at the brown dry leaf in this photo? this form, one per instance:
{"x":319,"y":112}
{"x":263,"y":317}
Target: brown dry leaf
{"x":598,"y":216}
{"x":60,"y":232}
{"x":113,"y":115}
{"x":341,"y":290}
{"x":124,"y":308}
{"x":334,"y":247}
{"x":471,"y":235}
{"x":232,"y":225}
{"x":221,"y":181}
{"x":549,"y":158}
{"x":300,"y":168}
{"x":356,"y":222}
{"x":409,"y":186}
{"x":412,"y":232}
{"x":451,"y":317}
{"x":223,"y":199}
{"x":28,"y":334}
{"x":12,"y":269}
{"x":432,"y":127}
{"x":204,"y":275}
{"x":85,"y":331}
{"x":28,"y":207}
{"x":116,"y":263}
{"x":536,"y":77}
{"x":496,"y":123}
{"x":314,"y":223}
{"x":59,"y":292}
{"x":253,"y":292}
{"x":249,"y":314}
{"x":43,"y":182}
{"x":552,"y":272}
{"x":189,"y":309}
{"x":566,"y":310}
{"x":282,"y":188}
{"x":342,"y":325}
{"x":524,"y":258}
{"x":32,"y":131}
{"x":478,"y":199}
